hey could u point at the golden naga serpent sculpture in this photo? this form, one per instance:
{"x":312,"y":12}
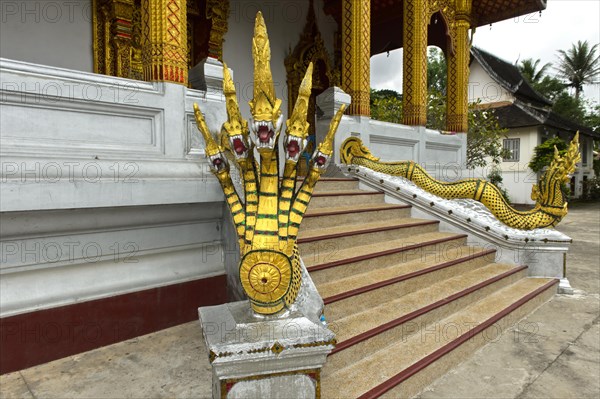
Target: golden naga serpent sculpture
{"x":550,"y":206}
{"x":267,"y":221}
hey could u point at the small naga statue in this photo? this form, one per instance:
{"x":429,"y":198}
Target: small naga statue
{"x":550,"y":206}
{"x":268,"y":220}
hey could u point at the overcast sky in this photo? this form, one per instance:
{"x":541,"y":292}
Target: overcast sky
{"x":562,"y":23}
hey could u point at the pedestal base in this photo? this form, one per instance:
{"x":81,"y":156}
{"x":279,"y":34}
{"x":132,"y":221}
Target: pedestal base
{"x":564,"y":287}
{"x":256,"y":356}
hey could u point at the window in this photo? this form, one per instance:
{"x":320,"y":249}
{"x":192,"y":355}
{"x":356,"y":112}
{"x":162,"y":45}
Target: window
{"x":512,"y":147}
{"x":584,"y":152}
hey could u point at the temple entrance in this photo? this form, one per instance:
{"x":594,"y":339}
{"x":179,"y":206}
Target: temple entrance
{"x":310,"y":48}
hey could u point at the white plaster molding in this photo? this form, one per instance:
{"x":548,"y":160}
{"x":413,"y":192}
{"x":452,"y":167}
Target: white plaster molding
{"x":103,"y":252}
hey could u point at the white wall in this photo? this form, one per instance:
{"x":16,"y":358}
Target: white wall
{"x":483,"y":87}
{"x":285,"y":21}
{"x":517,"y":177}
{"x":55,"y":33}
{"x":104,"y":187}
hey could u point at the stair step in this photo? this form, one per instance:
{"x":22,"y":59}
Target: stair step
{"x":334,"y":263}
{"x":342,"y":198}
{"x":357,"y":234}
{"x":316,"y":218}
{"x":404,"y":367}
{"x":367,"y":328}
{"x":336,"y":184}
{"x":435,"y":268}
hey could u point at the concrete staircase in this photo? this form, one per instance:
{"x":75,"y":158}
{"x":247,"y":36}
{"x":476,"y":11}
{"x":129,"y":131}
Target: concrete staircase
{"x":406,"y":301}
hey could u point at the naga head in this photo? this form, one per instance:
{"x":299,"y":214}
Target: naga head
{"x":354,"y":147}
{"x":297,"y":125}
{"x":235,"y":129}
{"x":547,"y":192}
{"x":322,"y":155}
{"x":214,"y":152}
{"x":265,"y":107}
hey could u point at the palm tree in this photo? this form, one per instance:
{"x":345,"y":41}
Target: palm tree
{"x":529,"y":69}
{"x":579,"y":65}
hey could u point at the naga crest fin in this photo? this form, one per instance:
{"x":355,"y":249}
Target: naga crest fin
{"x":264,"y":105}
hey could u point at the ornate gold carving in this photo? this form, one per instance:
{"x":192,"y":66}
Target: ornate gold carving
{"x":267,"y":222}
{"x":414,"y":78}
{"x":164,"y":50}
{"x":218,"y":12}
{"x":447,"y":9}
{"x":113,"y":34}
{"x":457,"y":104}
{"x":548,"y":211}
{"x":356,"y":54}
{"x":310,"y":49}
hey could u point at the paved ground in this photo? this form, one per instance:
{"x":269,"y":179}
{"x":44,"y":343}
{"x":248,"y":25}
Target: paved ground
{"x":553,"y":353}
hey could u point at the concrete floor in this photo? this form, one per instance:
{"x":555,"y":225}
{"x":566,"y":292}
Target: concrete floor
{"x":553,"y":353}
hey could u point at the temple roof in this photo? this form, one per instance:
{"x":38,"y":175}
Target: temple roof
{"x":486,"y":12}
{"x":519,"y":114}
{"x":483,"y":12}
{"x":509,"y":77}
{"x":386,"y":19}
{"x":530,"y":108}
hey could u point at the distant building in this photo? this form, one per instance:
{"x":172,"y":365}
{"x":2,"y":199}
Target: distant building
{"x":527,"y":115}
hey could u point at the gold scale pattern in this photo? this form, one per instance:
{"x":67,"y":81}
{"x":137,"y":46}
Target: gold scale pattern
{"x":550,"y":205}
{"x":267,"y":222}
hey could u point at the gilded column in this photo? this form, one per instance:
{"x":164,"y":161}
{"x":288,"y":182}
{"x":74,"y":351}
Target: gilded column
{"x":218,"y":12}
{"x":356,"y":54}
{"x":164,"y":49}
{"x":113,"y":36}
{"x":414,"y":73}
{"x":122,"y":28}
{"x":457,"y":102}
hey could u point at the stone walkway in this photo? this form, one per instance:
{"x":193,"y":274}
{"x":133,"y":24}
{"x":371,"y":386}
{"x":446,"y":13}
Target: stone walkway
{"x":553,"y":353}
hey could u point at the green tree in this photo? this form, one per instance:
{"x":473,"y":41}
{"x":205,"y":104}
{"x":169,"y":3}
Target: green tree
{"x":437,"y":70}
{"x":529,"y":69}
{"x":569,"y":107}
{"x":550,"y":87}
{"x":579,"y":65}
{"x":544,"y":153}
{"x":592,"y":119}
{"x":386,"y":105}
{"x":484,"y":138}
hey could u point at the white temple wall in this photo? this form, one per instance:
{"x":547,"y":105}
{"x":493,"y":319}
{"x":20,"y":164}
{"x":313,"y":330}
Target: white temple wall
{"x":105,"y":189}
{"x":54,"y":33}
{"x":482,"y":87}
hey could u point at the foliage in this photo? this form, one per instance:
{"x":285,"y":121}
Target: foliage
{"x":384,"y":94}
{"x":529,"y":69}
{"x":569,"y":107}
{"x":436,"y":110}
{"x":579,"y":65}
{"x":591,"y":189}
{"x":553,"y":89}
{"x":592,"y":119}
{"x":437,"y":71}
{"x":386,"y":105}
{"x":550,"y":87}
{"x":484,"y":138}
{"x":544,"y":153}
{"x":495,"y":177}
